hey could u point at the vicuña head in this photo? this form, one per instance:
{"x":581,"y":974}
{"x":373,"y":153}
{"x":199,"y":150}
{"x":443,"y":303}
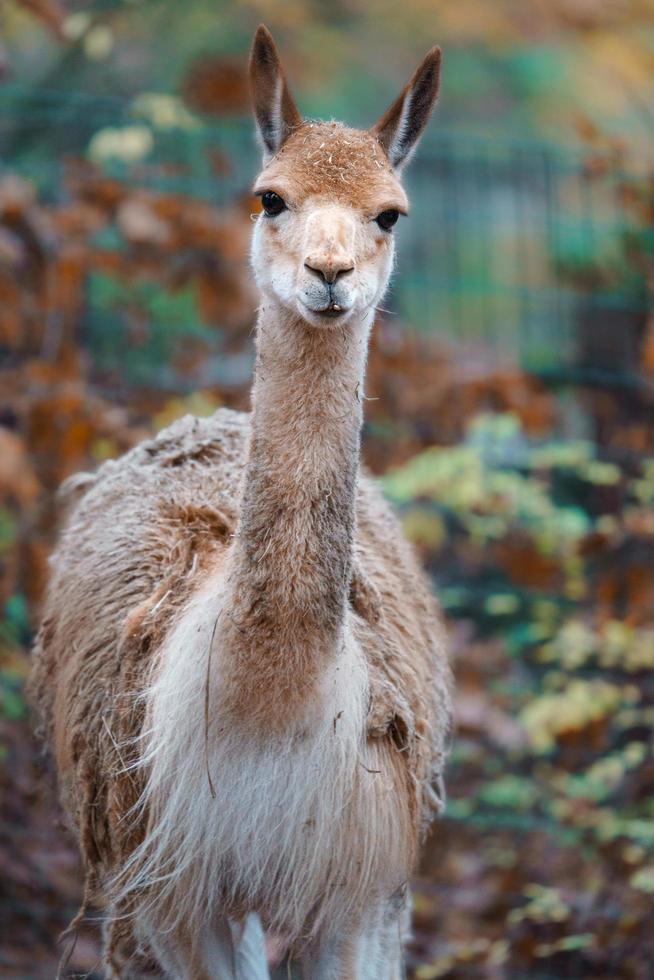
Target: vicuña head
{"x":331,"y":196}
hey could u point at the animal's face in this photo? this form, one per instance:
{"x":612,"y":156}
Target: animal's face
{"x":323,"y":244}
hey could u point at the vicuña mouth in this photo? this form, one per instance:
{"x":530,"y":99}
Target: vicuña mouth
{"x":332,"y":312}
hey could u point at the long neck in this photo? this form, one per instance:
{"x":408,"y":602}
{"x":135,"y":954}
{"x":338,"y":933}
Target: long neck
{"x":290,"y":563}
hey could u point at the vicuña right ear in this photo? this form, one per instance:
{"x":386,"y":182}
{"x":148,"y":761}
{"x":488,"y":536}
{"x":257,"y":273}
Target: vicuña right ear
{"x":401,"y":126}
{"x":274,"y":107}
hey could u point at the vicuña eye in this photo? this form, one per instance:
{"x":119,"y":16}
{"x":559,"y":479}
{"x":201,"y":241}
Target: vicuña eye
{"x":387,"y":219}
{"x":272,"y":203}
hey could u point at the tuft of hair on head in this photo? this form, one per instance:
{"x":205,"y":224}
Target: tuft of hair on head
{"x":400,"y":128}
{"x":275,"y":110}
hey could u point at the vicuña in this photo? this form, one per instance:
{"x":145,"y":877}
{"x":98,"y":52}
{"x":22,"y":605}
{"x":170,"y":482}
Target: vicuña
{"x":240,"y":670}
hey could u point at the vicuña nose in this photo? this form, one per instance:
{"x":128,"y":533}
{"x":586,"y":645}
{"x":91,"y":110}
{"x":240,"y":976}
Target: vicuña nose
{"x":329,"y":269}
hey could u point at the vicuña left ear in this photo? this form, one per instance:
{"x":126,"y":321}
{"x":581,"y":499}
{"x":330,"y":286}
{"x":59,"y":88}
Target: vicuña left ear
{"x":400,"y":128}
{"x":274,"y":107}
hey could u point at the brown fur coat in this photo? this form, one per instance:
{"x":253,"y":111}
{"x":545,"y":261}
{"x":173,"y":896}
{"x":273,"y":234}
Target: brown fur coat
{"x":138,"y":538}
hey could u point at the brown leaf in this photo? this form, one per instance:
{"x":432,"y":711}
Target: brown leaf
{"x":50,"y":12}
{"x":217,"y":86}
{"x":17,"y":477}
{"x":525,"y":565}
{"x":16,"y":197}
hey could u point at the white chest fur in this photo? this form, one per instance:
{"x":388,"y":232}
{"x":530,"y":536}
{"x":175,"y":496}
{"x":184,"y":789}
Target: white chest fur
{"x":269,"y":823}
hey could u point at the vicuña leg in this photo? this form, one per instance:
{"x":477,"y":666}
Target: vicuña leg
{"x":375,"y":952}
{"x":226,"y":951}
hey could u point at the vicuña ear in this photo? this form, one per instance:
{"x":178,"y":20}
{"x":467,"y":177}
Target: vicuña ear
{"x":274,"y":107}
{"x":400,"y":128}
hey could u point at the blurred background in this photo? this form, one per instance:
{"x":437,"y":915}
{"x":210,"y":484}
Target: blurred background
{"x":512,"y":422}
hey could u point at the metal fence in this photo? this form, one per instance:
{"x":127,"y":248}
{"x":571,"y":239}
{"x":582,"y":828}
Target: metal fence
{"x":521,"y":249}
{"x":526,"y":249}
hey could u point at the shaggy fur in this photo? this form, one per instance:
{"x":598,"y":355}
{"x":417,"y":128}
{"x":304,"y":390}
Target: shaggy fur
{"x":240,"y":668}
{"x":148,"y":536}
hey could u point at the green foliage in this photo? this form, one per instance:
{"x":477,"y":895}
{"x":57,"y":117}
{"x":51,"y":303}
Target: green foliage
{"x":12,"y":700}
{"x":159,"y":320}
{"x":14,"y":622}
{"x":557,"y":727}
{"x":14,"y":633}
